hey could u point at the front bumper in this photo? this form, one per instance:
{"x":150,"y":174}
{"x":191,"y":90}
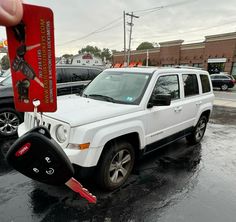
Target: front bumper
{"x":82,"y":158}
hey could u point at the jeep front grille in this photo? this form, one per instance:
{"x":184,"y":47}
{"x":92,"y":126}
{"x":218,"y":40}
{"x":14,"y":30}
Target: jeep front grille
{"x":30,"y":121}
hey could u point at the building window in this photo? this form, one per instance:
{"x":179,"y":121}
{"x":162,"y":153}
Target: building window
{"x":78,"y":61}
{"x":198,"y":65}
{"x":168,"y":65}
{"x":216,"y":67}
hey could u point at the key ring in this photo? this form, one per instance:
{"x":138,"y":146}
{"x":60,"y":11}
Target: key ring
{"x":36,"y":103}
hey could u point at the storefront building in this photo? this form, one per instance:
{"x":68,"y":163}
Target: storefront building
{"x":216,"y":54}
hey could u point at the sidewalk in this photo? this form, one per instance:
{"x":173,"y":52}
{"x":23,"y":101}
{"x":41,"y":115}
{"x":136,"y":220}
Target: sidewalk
{"x":225,"y":104}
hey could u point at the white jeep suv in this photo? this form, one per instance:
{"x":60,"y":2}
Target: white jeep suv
{"x":127,"y":112}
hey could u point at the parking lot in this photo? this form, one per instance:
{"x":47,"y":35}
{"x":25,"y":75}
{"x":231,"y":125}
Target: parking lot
{"x":178,"y":183}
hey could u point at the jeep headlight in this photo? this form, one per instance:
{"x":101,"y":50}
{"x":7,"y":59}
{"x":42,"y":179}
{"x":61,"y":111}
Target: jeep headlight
{"x":61,"y":134}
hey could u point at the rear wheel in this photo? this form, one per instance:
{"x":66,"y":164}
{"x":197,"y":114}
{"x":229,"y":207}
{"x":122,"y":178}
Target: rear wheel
{"x":116,"y":165}
{"x":9,"y":122}
{"x":224,"y":87}
{"x":198,"y":132}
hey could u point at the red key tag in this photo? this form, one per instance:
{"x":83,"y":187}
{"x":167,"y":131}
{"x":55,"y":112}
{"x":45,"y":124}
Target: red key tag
{"x":32,"y":59}
{"x":76,"y":186}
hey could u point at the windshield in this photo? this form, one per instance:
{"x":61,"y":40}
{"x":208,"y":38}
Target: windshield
{"x":7,"y":81}
{"x":118,"y":87}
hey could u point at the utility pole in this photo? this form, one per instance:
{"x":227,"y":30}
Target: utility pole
{"x":130,"y":34}
{"x":147,"y":58}
{"x":125,"y":61}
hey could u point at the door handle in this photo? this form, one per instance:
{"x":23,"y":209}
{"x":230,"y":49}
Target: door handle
{"x":198,"y":103}
{"x":178,"y":108}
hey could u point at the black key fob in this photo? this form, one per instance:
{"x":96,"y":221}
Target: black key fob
{"x":38,"y":156}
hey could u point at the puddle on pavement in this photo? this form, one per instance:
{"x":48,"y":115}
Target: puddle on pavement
{"x":164,"y":185}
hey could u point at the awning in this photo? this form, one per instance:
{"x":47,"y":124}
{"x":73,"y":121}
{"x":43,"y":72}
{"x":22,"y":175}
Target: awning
{"x":117,"y":65}
{"x":216,"y":60}
{"x":132,"y":64}
{"x":140,"y":64}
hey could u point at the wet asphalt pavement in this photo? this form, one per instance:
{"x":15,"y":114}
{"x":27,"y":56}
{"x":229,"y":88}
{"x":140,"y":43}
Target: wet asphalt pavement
{"x":178,"y":183}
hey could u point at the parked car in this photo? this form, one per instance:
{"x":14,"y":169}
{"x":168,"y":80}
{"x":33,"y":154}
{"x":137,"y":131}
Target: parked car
{"x":4,"y":75}
{"x":231,"y":77}
{"x":125,"y":113}
{"x":70,"y":79}
{"x":222,"y":81}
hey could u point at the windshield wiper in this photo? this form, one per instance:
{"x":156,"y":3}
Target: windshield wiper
{"x":106,"y":98}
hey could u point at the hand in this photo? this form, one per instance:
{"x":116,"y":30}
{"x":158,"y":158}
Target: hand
{"x":11,"y":12}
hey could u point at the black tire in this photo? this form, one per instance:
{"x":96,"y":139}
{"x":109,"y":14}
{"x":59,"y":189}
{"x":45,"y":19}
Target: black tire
{"x":224,"y":87}
{"x":198,"y":132}
{"x":111,"y":172}
{"x":10,"y":119}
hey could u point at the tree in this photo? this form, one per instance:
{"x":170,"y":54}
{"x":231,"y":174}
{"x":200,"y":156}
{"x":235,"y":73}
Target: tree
{"x":106,"y":53}
{"x":97,"y":52}
{"x":5,"y":62}
{"x":113,"y":51}
{"x":145,"y":45}
{"x":67,"y":56}
{"x":91,"y":49}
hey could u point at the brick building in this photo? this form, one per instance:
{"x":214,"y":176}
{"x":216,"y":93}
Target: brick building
{"x":216,"y":54}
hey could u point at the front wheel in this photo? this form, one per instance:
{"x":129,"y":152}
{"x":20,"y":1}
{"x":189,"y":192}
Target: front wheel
{"x":198,"y":132}
{"x":115,"y":165}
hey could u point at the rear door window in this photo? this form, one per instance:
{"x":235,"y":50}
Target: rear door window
{"x":205,"y":83}
{"x":59,"y":75}
{"x":190,"y":85}
{"x":76,"y":74}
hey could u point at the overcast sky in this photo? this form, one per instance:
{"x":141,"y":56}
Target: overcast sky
{"x":175,"y":19}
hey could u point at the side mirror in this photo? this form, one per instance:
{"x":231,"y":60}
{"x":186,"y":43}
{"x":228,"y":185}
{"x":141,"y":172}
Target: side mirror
{"x":159,"y":100}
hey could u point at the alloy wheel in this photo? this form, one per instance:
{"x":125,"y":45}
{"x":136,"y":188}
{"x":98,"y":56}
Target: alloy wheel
{"x":9,"y":123}
{"x":120,"y":166}
{"x":200,"y":129}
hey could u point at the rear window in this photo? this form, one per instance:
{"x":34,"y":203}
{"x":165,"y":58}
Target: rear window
{"x":190,"y":85}
{"x":205,"y":83}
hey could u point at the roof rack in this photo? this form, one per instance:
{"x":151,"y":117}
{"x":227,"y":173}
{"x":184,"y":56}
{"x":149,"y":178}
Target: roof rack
{"x":186,"y":67}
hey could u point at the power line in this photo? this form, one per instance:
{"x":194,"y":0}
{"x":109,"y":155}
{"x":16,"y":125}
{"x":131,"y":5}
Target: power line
{"x":157,"y":8}
{"x":106,"y":28}
{"x":102,"y":29}
{"x":186,"y":32}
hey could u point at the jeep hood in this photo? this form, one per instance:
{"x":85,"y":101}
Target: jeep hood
{"x":76,"y":110}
